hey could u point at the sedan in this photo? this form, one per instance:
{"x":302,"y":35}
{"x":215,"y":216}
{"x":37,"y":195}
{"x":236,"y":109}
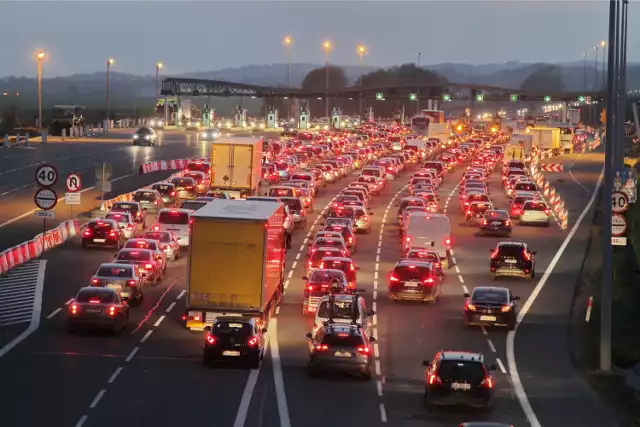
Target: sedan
{"x":97,"y":308}
{"x":152,"y":245}
{"x":168,"y":243}
{"x":125,"y":279}
{"x":496,"y":222}
{"x":144,"y":135}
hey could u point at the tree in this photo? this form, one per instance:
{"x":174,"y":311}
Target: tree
{"x":9,"y":120}
{"x":315,"y":81}
{"x":546,"y":79}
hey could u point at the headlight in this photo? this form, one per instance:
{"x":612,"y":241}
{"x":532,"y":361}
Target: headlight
{"x":135,"y":137}
{"x":204,"y":134}
{"x":262,"y":126}
{"x":252,"y":124}
{"x":146,"y":137}
{"x":197,"y":123}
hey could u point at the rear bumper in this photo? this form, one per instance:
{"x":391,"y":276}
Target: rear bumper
{"x":425,"y":294}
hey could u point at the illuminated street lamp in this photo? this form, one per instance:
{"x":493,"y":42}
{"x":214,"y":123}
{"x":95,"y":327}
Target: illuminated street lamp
{"x":603,"y":44}
{"x":110,"y":62}
{"x":362,"y":51}
{"x":327,"y":49}
{"x":288,"y":41}
{"x":39,"y":58}
{"x":158,"y":66}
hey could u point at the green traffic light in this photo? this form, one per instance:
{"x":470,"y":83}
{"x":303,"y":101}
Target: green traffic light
{"x":446,"y":97}
{"x":514,"y":98}
{"x":413,"y":97}
{"x":547,"y":99}
{"x":479,"y":97}
{"x":581,"y":98}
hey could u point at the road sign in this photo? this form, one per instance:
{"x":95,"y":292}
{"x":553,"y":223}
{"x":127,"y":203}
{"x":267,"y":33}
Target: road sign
{"x":103,"y":171}
{"x":547,"y":98}
{"x":618,"y":241}
{"x":581,"y":98}
{"x":618,"y":225}
{"x":73,"y":183}
{"x":446,"y":97}
{"x":72,"y":198}
{"x":380,"y":96}
{"x":413,"y":97}
{"x":619,"y":202}
{"x":45,"y":214}
{"x":104,"y":186}
{"x":514,"y":98}
{"x":480,"y":97}
{"x":45,"y":199}
{"x":46,"y":175}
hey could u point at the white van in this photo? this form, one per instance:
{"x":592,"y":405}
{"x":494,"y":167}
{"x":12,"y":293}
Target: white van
{"x":176,"y":221}
{"x":342,"y":312}
{"x":376,"y":171}
{"x":429,"y":231}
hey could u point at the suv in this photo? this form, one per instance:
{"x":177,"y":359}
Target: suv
{"x":340,"y":347}
{"x":415,"y":279}
{"x":512,"y":259}
{"x":458,"y":377}
{"x":234,"y":338}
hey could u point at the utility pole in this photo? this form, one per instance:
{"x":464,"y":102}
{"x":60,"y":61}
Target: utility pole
{"x":110,"y":62}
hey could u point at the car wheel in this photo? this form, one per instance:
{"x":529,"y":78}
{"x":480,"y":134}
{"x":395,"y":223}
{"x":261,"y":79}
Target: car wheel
{"x":511,"y":325}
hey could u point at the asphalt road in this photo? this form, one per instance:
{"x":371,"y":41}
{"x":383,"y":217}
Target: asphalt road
{"x":151,"y":375}
{"x":18,"y":166}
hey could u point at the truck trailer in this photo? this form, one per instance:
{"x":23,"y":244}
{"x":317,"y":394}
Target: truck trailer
{"x":236,"y":165}
{"x":236,"y":261}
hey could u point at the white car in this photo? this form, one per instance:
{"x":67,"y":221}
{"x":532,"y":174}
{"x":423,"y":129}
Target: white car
{"x":124,"y":221}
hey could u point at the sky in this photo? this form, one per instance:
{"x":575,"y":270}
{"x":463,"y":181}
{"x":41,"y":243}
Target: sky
{"x":188,"y":36}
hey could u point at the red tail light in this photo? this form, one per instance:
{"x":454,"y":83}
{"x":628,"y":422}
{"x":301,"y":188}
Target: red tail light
{"x":494,"y":254}
{"x":112,"y":310}
{"x":132,"y":283}
{"x":527,"y":255}
{"x":172,"y":194}
{"x":487,"y":383}
{"x":429,"y":281}
{"x":73,"y":308}
{"x":322,"y":347}
{"x":310,"y":287}
{"x":95,"y":281}
{"x":546,"y":211}
{"x":321,"y":265}
{"x":447,"y":241}
{"x":470,"y":307}
{"x":507,"y":223}
{"x":88,"y":232}
{"x":148,"y":266}
{"x":138,"y":213}
{"x":350,"y":239}
{"x":129,"y":227}
{"x":189,"y":187}
{"x":113,"y":233}
{"x":351,"y":267}
{"x":505,"y":308}
{"x":434,"y":379}
{"x":156,"y":228}
{"x":253,"y":341}
{"x":211,"y":340}
{"x":485,"y":222}
{"x":364,"y":350}
{"x":393,"y":278}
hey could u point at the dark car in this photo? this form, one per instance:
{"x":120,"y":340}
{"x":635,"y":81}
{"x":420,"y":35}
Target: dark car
{"x":168,"y":192}
{"x":194,"y":205}
{"x":341,"y":348}
{"x":348,"y":234}
{"x":144,"y":135}
{"x":95,"y":307}
{"x":491,"y":306}
{"x":149,"y":267}
{"x":186,"y":188}
{"x":416,"y":280}
{"x":103,"y":232}
{"x":512,"y":259}
{"x":233,"y":338}
{"x":458,"y":378}
{"x":496,"y":222}
{"x":407,"y":202}
{"x":476,"y":211}
{"x":150,"y":200}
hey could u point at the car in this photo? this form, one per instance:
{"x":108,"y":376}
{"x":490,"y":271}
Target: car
{"x":321,"y":283}
{"x":496,"y":223}
{"x":199,"y":166}
{"x":328,"y":241}
{"x":168,"y":243}
{"x":428,"y":255}
{"x":515,"y":209}
{"x":201,"y":181}
{"x":535,"y":212}
{"x":476,"y":211}
{"x":416,"y":280}
{"x":297,"y":210}
{"x":347,"y":231}
{"x":145,"y":135}
{"x":318,"y":253}
{"x":150,"y":269}
{"x":490,"y":306}
{"x":340,"y":262}
{"x":341,"y":348}
{"x":406,"y":202}
{"x":103,"y":232}
{"x":177,"y":222}
{"x":125,"y":279}
{"x":185,"y":187}
{"x":210,"y":134}
{"x":363,"y":220}
{"x":150,"y":200}
{"x":152,"y":245}
{"x":97,"y":307}
{"x":512,"y":259}
{"x":124,"y":221}
{"x":458,"y":378}
{"x":234,"y":338}
{"x":168,"y":192}
{"x":134,"y":208}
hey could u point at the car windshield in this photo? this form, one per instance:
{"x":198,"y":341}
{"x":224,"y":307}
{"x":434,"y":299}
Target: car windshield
{"x":164,"y":188}
{"x":161,"y":237}
{"x":112,"y":271}
{"x":490,"y":295}
{"x":100,"y":226}
{"x":173,"y":218}
{"x":147,"y":196}
{"x":102,"y":296}
{"x":117,"y":217}
{"x":341,"y":310}
{"x":405,"y":203}
{"x":183,"y":182}
{"x":460,"y":370}
{"x":143,"y":131}
{"x":326,"y":276}
{"x":124,"y":207}
{"x":134,"y":256}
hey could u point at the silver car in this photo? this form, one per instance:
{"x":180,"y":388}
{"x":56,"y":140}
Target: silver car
{"x":123,"y":278}
{"x":535,"y":212}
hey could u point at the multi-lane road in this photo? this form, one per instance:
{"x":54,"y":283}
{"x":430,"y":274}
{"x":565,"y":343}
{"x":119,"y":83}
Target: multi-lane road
{"x":152,"y":375}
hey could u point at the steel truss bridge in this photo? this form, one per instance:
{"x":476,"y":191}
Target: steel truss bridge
{"x":448,"y":92}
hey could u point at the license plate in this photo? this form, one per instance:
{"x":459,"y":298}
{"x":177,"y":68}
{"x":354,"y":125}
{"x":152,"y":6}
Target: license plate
{"x":93,"y":310}
{"x":99,"y":240}
{"x":231,"y":353}
{"x":511,"y":261}
{"x":460,"y":386}
{"x":488,"y":318}
{"x":116,"y":287}
{"x":342,"y":354}
{"x":496,"y":223}
{"x":411,"y":284}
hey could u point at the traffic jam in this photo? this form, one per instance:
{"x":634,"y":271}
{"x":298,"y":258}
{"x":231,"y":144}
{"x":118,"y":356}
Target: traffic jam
{"x":319,"y":190}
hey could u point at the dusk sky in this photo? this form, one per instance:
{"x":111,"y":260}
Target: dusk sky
{"x":79,"y":36}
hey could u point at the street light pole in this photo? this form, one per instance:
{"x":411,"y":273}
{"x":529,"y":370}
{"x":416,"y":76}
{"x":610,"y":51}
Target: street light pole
{"x":595,"y":77}
{"x":110,"y":62}
{"x":362,"y":51}
{"x":618,"y":158}
{"x":604,"y":55}
{"x":585,"y":70}
{"x":158,"y":66}
{"x":418,"y":82}
{"x":288,"y":41}
{"x":327,"y":49}
{"x":39,"y":57}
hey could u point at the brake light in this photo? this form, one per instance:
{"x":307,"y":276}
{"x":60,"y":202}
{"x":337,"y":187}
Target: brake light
{"x":253,"y":341}
{"x":484,"y":222}
{"x":88,"y":232}
{"x":487,"y":383}
{"x":129,"y":227}
{"x":505,"y":308}
{"x":350,"y":239}
{"x":189,"y":187}
{"x":470,"y":307}
{"x":434,"y":379}
{"x":148,"y":266}
{"x":73,"y":308}
{"x":364,"y":350}
{"x":527,"y":255}
{"x":95,"y":281}
{"x":156,"y":228}
{"x":112,"y":310}
{"x":172,"y":194}
{"x":211,"y":340}
{"x":507,"y":223}
{"x":94,"y":301}
{"x":428,"y":280}
{"x":322,"y":347}
{"x":447,"y":241}
{"x":321,"y":265}
{"x":112,"y":233}
{"x":393,"y":278}
{"x":546,"y":211}
{"x":351,"y":267}
{"x":138,"y":213}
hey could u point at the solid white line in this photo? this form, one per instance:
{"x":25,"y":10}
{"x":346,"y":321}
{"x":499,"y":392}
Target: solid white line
{"x":54,"y":312}
{"x":491,"y":346}
{"x":115,"y":375}
{"x":484,"y":330}
{"x":132,"y":354}
{"x":173,"y":304}
{"x":81,"y":421}
{"x":243,"y":409}
{"x":97,"y":398}
{"x":160,"y":319}
{"x":504,"y":371}
{"x":377,"y":366}
{"x":383,"y":413}
{"x":374,"y":306}
{"x":181,"y":294}
{"x":460,"y":278}
{"x":379,"y":387}
{"x":278,"y":380}
{"x":511,"y":335}
{"x":375,"y":294}
{"x":453,"y":259}
{"x":147,"y":335}
{"x":376,"y":350}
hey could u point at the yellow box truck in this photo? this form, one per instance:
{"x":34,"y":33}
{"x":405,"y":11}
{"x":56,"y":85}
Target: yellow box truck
{"x":236,"y":165}
{"x":236,"y":261}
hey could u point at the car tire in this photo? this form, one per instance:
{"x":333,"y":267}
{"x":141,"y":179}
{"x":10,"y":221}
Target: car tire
{"x":511,"y":325}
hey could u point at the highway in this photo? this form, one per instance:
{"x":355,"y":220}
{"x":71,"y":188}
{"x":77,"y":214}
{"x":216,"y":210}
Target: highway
{"x":18,"y":166}
{"x":152,"y":375}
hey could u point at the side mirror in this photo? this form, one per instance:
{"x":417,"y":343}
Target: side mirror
{"x":264,"y":330}
{"x":516,"y":298}
{"x":492,"y":367}
{"x":305,"y":278}
{"x":308,"y":335}
{"x":467,"y":295}
{"x":372,"y":339}
{"x":370,"y":312}
{"x":534,"y":252}
{"x":207,"y":329}
{"x":426,"y":363}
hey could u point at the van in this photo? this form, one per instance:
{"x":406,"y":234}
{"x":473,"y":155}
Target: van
{"x":429,"y":231}
{"x":437,"y":165}
{"x":343,"y":312}
{"x":176,"y":221}
{"x":376,"y":171}
{"x":283,"y":191}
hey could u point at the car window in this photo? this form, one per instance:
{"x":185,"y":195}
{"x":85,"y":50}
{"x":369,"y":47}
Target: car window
{"x":237,"y":329}
{"x":173,"y":218}
{"x":193,"y":205}
{"x":490,"y":295}
{"x":338,"y":340}
{"x":411,"y":272}
{"x":145,"y":195}
{"x":115,"y":272}
{"x":99,"y":295}
{"x":161,"y":237}
{"x":510,"y":250}
{"x":525,"y":186}
{"x":341,"y":309}
{"x":134,"y":256}
{"x":496,"y":215}
{"x":459,"y":370}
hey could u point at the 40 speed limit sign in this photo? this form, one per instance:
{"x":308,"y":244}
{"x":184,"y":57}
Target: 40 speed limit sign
{"x":619,"y":202}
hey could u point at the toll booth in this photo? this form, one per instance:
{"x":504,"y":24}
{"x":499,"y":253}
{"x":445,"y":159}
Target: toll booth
{"x":207,"y":116}
{"x":272,"y":118}
{"x":240,"y":117}
{"x":370,"y":117}
{"x":303,"y":119}
{"x":336,"y":113}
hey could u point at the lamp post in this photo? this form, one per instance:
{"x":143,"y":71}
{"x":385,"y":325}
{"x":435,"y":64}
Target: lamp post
{"x":110,"y":62}
{"x":418,"y":83}
{"x":288,"y":41}
{"x":39,"y":57}
{"x":362,"y":51}
{"x":158,"y":66}
{"x":603,"y":44}
{"x":327,"y":49}
{"x":595,"y":77}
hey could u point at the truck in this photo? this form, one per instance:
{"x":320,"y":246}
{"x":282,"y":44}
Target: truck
{"x":573,"y":116}
{"x":236,"y":165}
{"x":546,"y":138}
{"x":64,"y":117}
{"x":236,"y":261}
{"x":519,"y":146}
{"x":442,"y":131}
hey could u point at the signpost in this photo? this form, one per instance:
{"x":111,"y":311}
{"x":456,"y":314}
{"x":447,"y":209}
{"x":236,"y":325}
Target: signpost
{"x":45,"y":198}
{"x":72,"y":196}
{"x":103,"y":172}
{"x":619,"y":202}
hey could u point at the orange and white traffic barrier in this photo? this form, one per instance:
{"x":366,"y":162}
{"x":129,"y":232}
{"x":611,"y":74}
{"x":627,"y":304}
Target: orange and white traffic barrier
{"x":168,"y":165}
{"x":127,"y":197}
{"x":4,"y":265}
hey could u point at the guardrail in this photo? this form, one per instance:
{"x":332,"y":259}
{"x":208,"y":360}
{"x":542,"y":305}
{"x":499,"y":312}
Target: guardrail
{"x":550,"y":195}
{"x":127,"y":197}
{"x":27,"y":251}
{"x":168,"y":165}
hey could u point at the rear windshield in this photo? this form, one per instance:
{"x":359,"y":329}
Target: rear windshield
{"x":406,"y":203}
{"x":163,"y":188}
{"x":183,"y":182}
{"x":326,"y":276}
{"x":535,"y":206}
{"x":238,"y":329}
{"x":496,"y":215}
{"x":191,"y":205}
{"x":340,"y":341}
{"x":433,"y":165}
{"x":161,"y":237}
{"x":175,"y":218}
{"x":279,"y":192}
{"x":100,"y":226}
{"x":125,"y":207}
{"x":371,"y":172}
{"x":427,"y":256}
{"x":193,"y":175}
{"x":518,"y":165}
{"x":412,"y":272}
{"x":318,"y":255}
{"x":525,"y":186}
{"x":140,"y":244}
{"x":480,"y":206}
{"x":117,"y":217}
{"x":337,"y":265}
{"x":302,"y":176}
{"x":145,"y":195}
{"x":134,"y":255}
{"x":101,"y":295}
{"x":341,"y":309}
{"x":198,"y":166}
{"x":489,"y":295}
{"x":510,"y":251}
{"x":478,"y":198}
{"x":115,"y":272}
{"x":458,"y":370}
